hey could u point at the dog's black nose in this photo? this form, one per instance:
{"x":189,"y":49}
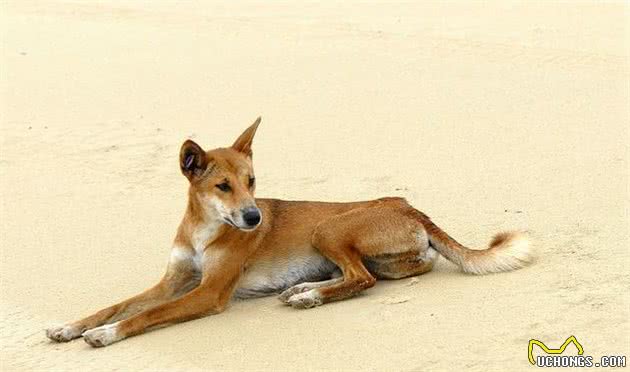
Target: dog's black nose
{"x":251,"y":216}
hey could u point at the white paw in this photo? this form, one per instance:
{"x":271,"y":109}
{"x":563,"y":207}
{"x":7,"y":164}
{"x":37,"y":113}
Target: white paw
{"x":289,"y":292}
{"x":305,"y":300}
{"x":102,"y":336}
{"x":63,"y":333}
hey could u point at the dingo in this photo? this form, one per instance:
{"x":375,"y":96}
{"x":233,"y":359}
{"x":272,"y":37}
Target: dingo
{"x":231,"y":244}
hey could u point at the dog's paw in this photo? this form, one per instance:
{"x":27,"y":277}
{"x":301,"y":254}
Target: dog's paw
{"x":102,"y":336}
{"x":289,"y":292}
{"x":63,"y":333}
{"x":305,"y":300}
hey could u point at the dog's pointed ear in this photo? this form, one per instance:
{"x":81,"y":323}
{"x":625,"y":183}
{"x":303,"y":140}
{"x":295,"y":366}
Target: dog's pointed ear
{"x":243,"y":143}
{"x":192,"y":160}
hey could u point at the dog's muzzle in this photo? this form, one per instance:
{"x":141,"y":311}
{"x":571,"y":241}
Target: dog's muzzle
{"x":251,"y":217}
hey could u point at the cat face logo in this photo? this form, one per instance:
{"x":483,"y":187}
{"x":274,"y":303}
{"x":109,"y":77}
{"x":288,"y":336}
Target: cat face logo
{"x":547,"y":350}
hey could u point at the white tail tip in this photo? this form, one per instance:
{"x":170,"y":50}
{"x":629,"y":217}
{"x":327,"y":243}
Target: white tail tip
{"x":508,"y":251}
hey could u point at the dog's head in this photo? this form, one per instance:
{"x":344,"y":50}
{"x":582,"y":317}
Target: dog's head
{"x":222,"y":180}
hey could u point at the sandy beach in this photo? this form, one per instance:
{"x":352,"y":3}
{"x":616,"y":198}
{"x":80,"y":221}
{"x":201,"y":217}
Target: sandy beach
{"x":486,"y":116}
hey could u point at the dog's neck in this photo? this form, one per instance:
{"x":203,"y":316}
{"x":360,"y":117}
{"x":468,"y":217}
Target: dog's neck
{"x":203,"y":226}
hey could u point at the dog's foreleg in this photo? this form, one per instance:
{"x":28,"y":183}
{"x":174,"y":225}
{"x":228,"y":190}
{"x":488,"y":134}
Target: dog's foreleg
{"x":210,"y":297}
{"x":181,"y":277}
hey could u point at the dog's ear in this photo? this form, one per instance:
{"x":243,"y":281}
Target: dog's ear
{"x":192,"y":160}
{"x":243,"y":143}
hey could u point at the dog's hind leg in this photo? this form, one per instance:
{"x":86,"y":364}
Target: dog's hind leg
{"x":355,"y":279}
{"x":347,"y":239}
{"x":306,"y":286}
{"x":401,"y":265}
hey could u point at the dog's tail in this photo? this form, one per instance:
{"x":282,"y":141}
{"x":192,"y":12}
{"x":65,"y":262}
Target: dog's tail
{"x":507,"y":251}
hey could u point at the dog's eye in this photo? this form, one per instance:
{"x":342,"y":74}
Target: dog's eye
{"x":224,"y":187}
{"x":252,"y":180}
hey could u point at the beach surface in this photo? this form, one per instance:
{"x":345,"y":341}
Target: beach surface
{"x":486,"y":116}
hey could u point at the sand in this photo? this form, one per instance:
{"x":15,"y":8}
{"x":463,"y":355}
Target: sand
{"x":486,"y":117}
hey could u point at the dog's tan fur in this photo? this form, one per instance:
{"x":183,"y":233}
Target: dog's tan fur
{"x":312,"y":252}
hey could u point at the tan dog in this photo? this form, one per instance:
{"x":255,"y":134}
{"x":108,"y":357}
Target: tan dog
{"x":231,"y":244}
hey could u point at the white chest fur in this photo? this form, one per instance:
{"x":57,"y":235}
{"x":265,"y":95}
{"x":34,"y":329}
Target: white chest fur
{"x":201,"y":238}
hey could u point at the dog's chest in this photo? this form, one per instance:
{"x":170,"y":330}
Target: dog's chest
{"x":268,"y":277}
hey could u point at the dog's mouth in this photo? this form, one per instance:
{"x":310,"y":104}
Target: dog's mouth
{"x":231,"y":222}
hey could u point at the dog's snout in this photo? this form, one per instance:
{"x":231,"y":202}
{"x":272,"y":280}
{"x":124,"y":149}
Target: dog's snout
{"x":251,"y":216}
